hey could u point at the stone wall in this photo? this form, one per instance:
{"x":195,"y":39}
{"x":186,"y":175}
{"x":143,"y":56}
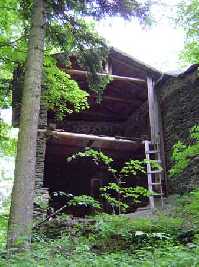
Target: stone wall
{"x":40,"y":152}
{"x":137,"y":124}
{"x":180,"y":111}
{"x":94,"y":127}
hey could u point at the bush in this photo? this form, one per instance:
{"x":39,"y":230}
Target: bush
{"x":64,"y":252}
{"x":113,"y":233}
{"x":182,"y":154}
{"x":188,"y":210}
{"x":116,"y":241}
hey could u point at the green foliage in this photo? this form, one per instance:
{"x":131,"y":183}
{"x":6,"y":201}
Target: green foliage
{"x":188,"y":209}
{"x":130,"y":167}
{"x":193,"y":206}
{"x":182,"y":154}
{"x":55,"y":254}
{"x":7,"y":141}
{"x":188,"y":18}
{"x":99,"y":9}
{"x":108,"y":225}
{"x":154,"y":164}
{"x":115,"y":193}
{"x":84,"y":200}
{"x":76,"y":36}
{"x":12,"y":46}
{"x":133,"y":167}
{"x":62,"y":90}
{"x":97,"y":156}
{"x":110,"y":241}
{"x":123,"y":196}
{"x":3,"y":229}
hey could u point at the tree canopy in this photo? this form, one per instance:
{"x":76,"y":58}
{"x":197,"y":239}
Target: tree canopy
{"x":68,"y":30}
{"x":188,"y":17}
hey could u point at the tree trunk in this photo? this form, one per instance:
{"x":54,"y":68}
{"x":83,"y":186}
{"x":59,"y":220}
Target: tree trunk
{"x":21,"y":212}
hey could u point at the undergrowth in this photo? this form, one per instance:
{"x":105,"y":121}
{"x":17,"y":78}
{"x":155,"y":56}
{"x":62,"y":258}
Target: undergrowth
{"x":112,"y":240}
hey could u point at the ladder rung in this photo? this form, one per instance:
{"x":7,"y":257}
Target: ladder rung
{"x":152,"y":151}
{"x":156,"y":171}
{"x":153,"y":148}
{"x":157,"y":194}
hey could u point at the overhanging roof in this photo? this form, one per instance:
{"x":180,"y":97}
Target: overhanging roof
{"x":134,"y":63}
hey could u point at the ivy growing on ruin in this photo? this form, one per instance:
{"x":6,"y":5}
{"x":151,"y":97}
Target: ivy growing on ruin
{"x":183,"y":154}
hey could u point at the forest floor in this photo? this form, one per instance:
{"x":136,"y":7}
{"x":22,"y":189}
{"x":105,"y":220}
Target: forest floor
{"x":165,"y":238}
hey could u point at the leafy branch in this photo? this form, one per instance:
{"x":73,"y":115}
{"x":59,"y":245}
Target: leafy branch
{"x":115,"y":193}
{"x":182,"y":154}
{"x":7,"y":141}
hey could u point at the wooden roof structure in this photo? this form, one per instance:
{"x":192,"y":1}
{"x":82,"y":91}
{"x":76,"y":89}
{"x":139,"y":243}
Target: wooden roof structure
{"x":123,"y":95}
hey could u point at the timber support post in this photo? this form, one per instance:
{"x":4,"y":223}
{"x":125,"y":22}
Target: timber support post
{"x":156,"y":124}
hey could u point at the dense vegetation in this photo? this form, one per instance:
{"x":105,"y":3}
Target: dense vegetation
{"x":164,"y":239}
{"x":8,"y":139}
{"x":184,"y":153}
{"x":188,"y":17}
{"x":115,"y":195}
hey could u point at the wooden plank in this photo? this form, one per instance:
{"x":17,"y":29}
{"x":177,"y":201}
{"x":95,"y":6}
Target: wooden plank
{"x":153,"y":112}
{"x":162,"y":150}
{"x":108,"y":67}
{"x":114,"y":77}
{"x":69,"y":135}
{"x":60,"y":133}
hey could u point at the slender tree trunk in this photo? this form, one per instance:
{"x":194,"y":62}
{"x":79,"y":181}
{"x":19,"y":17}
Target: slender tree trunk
{"x":21,"y":212}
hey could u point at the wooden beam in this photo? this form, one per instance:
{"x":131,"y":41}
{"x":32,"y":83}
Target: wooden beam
{"x":108,"y":67}
{"x":114,"y":77}
{"x":66,"y":140}
{"x":59,"y":133}
{"x":153,"y":112}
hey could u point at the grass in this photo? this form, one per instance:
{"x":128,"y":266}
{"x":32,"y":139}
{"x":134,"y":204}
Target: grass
{"x":160,"y":241}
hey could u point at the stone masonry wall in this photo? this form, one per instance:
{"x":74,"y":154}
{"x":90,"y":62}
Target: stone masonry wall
{"x":137,"y":124}
{"x":180,"y":112}
{"x":40,"y":152}
{"x":94,"y":127}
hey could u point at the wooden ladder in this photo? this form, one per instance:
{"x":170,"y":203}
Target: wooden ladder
{"x":155,"y":177}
